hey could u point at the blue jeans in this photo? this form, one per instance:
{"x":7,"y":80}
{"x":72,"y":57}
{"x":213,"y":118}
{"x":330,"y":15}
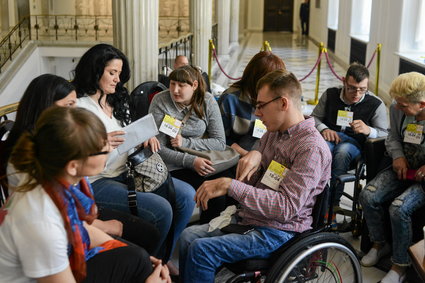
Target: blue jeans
{"x":406,"y":197}
{"x":152,"y":207}
{"x":202,"y":252}
{"x":343,"y":153}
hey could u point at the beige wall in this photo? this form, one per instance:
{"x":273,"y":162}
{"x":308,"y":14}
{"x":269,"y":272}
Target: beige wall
{"x":174,"y":8}
{"x":255,"y":15}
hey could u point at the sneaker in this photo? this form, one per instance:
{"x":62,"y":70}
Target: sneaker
{"x":394,"y":277}
{"x":374,"y":255}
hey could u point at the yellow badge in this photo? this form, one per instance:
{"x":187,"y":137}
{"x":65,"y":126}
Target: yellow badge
{"x":259,"y":129}
{"x":344,"y":118}
{"x":274,"y":175}
{"x":413,"y":133}
{"x":170,"y":126}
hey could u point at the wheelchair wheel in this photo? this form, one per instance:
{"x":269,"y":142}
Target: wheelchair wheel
{"x":320,"y":257}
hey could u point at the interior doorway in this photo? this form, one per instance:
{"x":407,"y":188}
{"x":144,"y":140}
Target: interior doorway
{"x":278,"y":15}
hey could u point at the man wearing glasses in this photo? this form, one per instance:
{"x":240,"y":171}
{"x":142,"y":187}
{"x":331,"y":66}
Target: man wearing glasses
{"x":346,"y":117}
{"x":277,"y":200}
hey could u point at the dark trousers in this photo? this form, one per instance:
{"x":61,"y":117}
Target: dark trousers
{"x":135,"y":229}
{"x":215,"y":205}
{"x":124,"y":264}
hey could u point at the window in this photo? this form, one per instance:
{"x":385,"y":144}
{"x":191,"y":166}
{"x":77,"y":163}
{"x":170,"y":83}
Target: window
{"x":333,"y":8}
{"x":360,"y":19}
{"x":412,"y":37}
{"x":419,"y":40}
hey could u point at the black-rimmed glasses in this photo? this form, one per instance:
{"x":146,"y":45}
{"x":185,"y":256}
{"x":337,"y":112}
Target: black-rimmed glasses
{"x":259,"y":106}
{"x":353,"y":89}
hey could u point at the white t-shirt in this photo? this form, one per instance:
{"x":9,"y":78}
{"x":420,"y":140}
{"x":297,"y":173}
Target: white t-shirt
{"x":116,"y":162}
{"x":33,"y":240}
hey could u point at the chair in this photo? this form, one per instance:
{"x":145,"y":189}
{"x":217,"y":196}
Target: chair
{"x":5,"y":127}
{"x":365,"y":168}
{"x":141,"y":97}
{"x":305,"y":257}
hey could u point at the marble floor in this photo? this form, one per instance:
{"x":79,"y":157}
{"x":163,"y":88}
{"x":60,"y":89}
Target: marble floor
{"x":300,"y":55}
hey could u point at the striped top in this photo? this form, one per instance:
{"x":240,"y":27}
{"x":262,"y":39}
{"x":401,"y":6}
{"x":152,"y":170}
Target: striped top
{"x":305,"y":153}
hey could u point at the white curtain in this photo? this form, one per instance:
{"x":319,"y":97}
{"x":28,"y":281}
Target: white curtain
{"x":365,"y":6}
{"x":420,"y":27}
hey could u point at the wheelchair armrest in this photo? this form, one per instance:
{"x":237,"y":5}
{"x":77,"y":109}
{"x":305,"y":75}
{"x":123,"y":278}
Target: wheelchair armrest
{"x":345,"y":178}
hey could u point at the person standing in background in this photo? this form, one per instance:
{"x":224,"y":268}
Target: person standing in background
{"x":304,"y":14}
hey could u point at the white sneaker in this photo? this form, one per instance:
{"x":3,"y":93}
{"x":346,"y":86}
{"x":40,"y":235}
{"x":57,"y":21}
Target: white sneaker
{"x":374,"y":255}
{"x":393,"y":277}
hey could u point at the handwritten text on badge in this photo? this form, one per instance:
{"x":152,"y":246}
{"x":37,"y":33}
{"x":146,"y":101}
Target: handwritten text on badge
{"x":274,"y":174}
{"x":413,"y":133}
{"x":344,"y":118}
{"x":259,"y":129}
{"x":170,"y":126}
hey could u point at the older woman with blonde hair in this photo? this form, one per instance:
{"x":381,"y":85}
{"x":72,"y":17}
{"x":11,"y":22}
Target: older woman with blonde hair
{"x":400,"y":183}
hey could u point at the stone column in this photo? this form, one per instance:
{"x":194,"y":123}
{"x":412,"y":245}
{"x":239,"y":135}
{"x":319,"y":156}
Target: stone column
{"x":200,"y":26}
{"x":223,"y":21}
{"x":234,"y":22}
{"x":136,"y":35}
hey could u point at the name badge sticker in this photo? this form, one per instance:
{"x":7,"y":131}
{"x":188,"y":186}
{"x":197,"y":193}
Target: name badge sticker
{"x":274,"y":175}
{"x":259,"y":129}
{"x":170,"y":126}
{"x":344,"y":118}
{"x":413,"y":133}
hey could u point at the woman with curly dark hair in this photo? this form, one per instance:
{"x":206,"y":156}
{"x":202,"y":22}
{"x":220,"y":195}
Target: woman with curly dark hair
{"x":43,"y":92}
{"x":100,"y":76}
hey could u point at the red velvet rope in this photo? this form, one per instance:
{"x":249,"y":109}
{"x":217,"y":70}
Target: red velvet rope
{"x":315,"y":66}
{"x":218,"y":63}
{"x":331,"y":67}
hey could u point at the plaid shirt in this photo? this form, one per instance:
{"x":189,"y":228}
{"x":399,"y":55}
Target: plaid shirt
{"x":304,"y":152}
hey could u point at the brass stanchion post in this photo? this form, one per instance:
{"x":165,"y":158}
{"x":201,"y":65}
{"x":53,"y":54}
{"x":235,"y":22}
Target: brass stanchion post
{"x":210,"y":55}
{"x":378,"y":67}
{"x":316,"y":92}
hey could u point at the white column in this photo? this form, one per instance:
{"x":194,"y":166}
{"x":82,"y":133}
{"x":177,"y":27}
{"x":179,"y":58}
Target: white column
{"x":234,"y":22}
{"x":4,"y":13}
{"x":136,"y":35}
{"x":200,"y":25}
{"x":223,"y":28}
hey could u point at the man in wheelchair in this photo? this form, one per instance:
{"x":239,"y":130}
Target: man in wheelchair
{"x":346,"y":117}
{"x":276,"y":200}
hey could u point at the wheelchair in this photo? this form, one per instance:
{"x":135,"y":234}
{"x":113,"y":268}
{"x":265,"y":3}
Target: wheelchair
{"x":365,"y":168}
{"x":316,"y":255}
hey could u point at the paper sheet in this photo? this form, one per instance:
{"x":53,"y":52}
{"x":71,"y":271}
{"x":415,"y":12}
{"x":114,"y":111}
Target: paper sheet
{"x":138,"y":132}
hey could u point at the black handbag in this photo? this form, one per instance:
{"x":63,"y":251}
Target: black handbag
{"x":135,"y":162}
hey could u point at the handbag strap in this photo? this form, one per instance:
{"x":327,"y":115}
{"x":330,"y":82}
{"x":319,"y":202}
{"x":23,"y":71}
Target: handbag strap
{"x":131,"y":190}
{"x":186,"y":117}
{"x":171,"y":197}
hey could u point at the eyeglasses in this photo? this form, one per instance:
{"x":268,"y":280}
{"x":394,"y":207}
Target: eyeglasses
{"x":353,"y":89}
{"x":99,"y":153}
{"x":260,"y":106}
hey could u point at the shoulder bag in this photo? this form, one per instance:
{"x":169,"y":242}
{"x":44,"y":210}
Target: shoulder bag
{"x":147,"y":172}
{"x":221,"y":159}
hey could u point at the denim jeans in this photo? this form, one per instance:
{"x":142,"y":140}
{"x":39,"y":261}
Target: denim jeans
{"x":406,"y":197}
{"x":343,"y":153}
{"x":202,"y":252}
{"x":112,"y":193}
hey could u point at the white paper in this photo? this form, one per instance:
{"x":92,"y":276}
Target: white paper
{"x":138,"y":132}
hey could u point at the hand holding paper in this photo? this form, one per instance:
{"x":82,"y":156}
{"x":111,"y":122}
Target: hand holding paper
{"x":138,"y":132}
